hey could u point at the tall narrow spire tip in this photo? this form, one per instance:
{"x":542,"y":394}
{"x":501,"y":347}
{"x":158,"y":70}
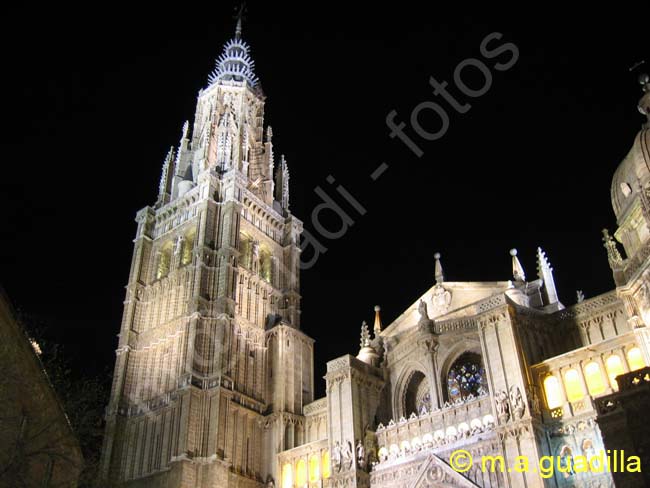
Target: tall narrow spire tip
{"x":440,"y":277}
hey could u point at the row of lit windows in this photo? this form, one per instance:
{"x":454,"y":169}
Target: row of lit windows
{"x":298,"y":475}
{"x":593,"y":378}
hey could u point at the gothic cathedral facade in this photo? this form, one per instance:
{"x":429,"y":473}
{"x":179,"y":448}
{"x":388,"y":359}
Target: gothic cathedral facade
{"x":213,"y":383}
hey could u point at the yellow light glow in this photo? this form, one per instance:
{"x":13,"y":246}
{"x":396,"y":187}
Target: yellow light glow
{"x":188,"y":248}
{"x":635,"y":359}
{"x":594,"y":378}
{"x":325,"y":461}
{"x":553,"y":392}
{"x":574,"y":390}
{"x":614,"y":368}
{"x":164,"y":261}
{"x":301,"y":473}
{"x":314,"y":469}
{"x":287,"y":476}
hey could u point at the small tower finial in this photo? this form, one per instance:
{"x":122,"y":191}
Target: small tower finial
{"x":377,"y":325}
{"x":240,"y":15}
{"x":545,"y":273}
{"x":517,"y":269}
{"x":440,"y":277}
{"x":365,"y":335}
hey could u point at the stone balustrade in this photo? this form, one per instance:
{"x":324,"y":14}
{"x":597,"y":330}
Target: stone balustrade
{"x":440,"y":427}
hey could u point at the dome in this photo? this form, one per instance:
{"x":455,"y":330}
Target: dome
{"x":635,"y":168}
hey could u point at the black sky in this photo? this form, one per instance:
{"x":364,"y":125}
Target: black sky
{"x":93,"y":100}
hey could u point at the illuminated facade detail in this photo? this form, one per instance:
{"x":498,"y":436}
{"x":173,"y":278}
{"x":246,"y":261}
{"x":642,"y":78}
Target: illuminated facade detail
{"x":573,"y":386}
{"x":553,"y":392}
{"x":635,"y":359}
{"x":594,"y":379}
{"x":213,"y":383}
{"x":614,"y":369}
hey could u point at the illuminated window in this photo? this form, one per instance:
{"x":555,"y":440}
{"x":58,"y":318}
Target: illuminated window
{"x":553,"y":392}
{"x":287,"y":476}
{"x":635,"y":359}
{"x":301,"y":473}
{"x":325,"y":461}
{"x":466,"y":377}
{"x":594,"y":378}
{"x":188,"y":247}
{"x":614,"y":368}
{"x":314,"y":469}
{"x":245,"y":250}
{"x":164,"y":261}
{"x":266,"y":265}
{"x":574,"y":390}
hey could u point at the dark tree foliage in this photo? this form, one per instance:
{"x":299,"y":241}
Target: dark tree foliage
{"x":83,"y":397}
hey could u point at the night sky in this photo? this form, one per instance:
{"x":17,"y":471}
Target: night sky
{"x":93,"y":100}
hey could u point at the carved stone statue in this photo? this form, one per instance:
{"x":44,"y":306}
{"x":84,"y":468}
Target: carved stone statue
{"x":336,"y":456}
{"x":503,"y":408}
{"x":422,"y":310}
{"x":516,"y":402}
{"x":425,"y":323}
{"x":178,"y":247}
{"x":361,"y":455}
{"x":255,"y":255}
{"x":346,"y":455}
{"x":533,"y":401}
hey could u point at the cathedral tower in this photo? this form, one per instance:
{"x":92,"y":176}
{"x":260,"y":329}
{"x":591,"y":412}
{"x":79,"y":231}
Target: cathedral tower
{"x":212,"y":369}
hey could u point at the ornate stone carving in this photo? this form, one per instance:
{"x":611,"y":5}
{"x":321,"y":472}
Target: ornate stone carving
{"x":440,"y":300}
{"x":502,"y":406}
{"x":336,"y":456}
{"x":346,"y":455}
{"x":361,"y":455}
{"x":517,"y":402}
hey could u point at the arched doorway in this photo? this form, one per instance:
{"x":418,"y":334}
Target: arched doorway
{"x":417,"y":395}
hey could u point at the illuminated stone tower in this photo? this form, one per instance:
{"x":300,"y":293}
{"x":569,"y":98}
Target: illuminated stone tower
{"x":212,"y":370}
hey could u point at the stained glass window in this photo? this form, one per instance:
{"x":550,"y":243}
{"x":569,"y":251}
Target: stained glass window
{"x":466,"y":377}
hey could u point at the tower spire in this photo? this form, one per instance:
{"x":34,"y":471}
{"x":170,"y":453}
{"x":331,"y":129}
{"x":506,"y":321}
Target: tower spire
{"x":377,"y":325}
{"x":545,"y":273}
{"x":438,"y":269}
{"x":517,"y":269}
{"x":240,"y":14}
{"x":168,"y":169}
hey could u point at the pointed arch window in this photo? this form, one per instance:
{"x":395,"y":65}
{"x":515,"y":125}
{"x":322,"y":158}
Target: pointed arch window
{"x":245,"y":250}
{"x":164,"y":261}
{"x":188,"y":248}
{"x":266,"y":264}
